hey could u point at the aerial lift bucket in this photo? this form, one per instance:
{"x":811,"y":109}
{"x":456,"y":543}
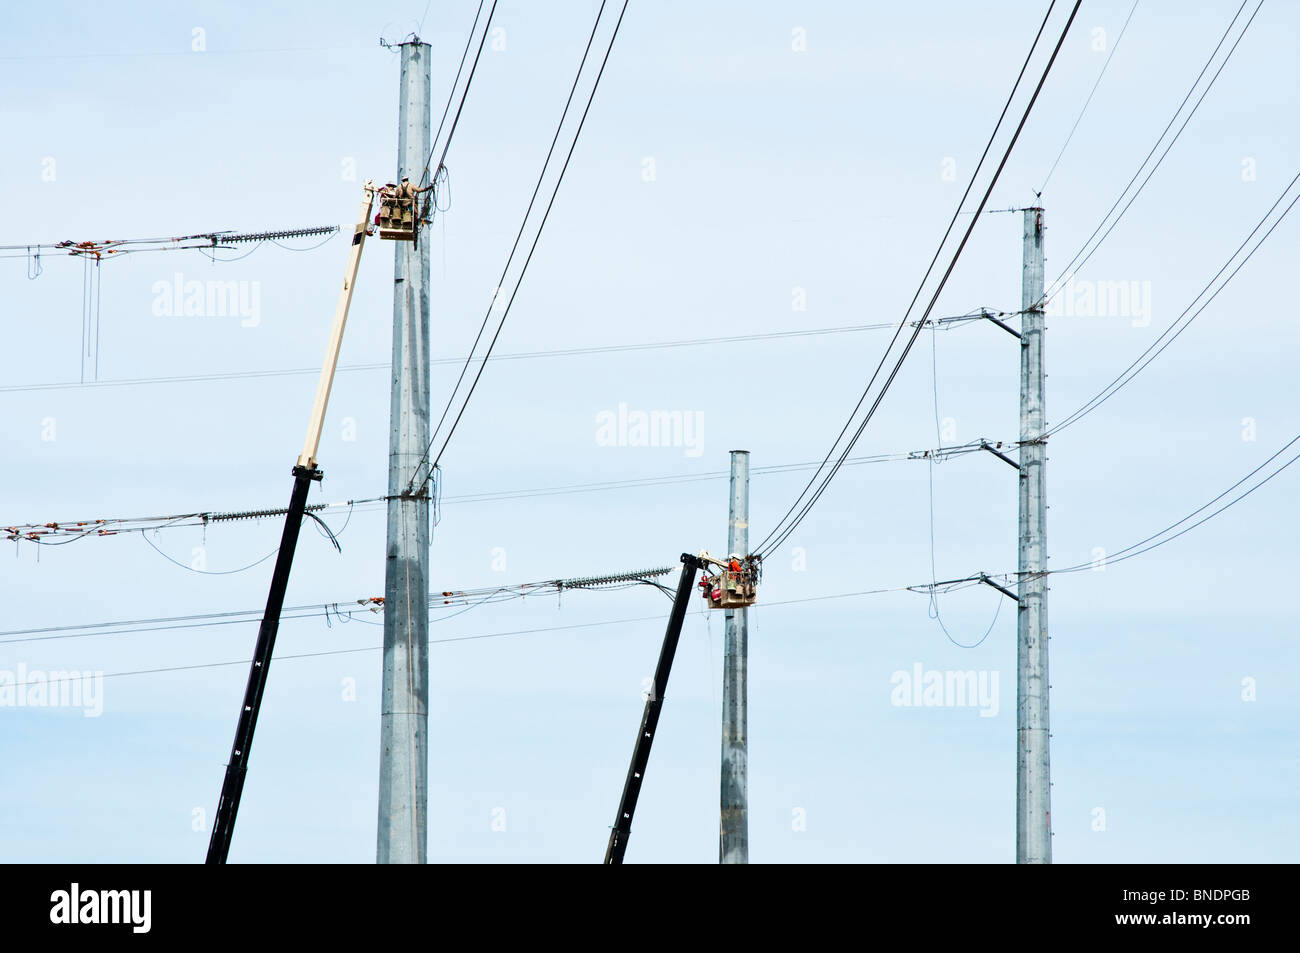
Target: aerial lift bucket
{"x":397,"y":218}
{"x":730,"y":588}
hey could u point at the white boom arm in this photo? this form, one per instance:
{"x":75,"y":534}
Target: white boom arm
{"x":308,"y":456}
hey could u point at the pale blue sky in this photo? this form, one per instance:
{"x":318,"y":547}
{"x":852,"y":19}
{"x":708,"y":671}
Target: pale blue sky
{"x":775,"y":170}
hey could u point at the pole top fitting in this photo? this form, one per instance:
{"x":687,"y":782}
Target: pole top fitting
{"x":411,"y":39}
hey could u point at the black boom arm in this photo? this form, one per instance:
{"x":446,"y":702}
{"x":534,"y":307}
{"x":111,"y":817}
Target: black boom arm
{"x":650,"y":717}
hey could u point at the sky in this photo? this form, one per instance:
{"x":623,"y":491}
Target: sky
{"x":746,"y":168}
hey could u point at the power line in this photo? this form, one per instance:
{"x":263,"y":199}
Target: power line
{"x":205,"y":240}
{"x":188,"y":52}
{"x":524,"y":269}
{"x":463,"y":597}
{"x":1158,"y":346}
{"x":1162,"y":537}
{"x":451,"y":93}
{"x":788,"y":524}
{"x":518,"y":356}
{"x":451,"y":398}
{"x":941,"y":452}
{"x":71,"y":530}
{"x":1058,"y":285}
{"x":1093,"y":92}
{"x":323,"y":654}
{"x":224,"y":572}
{"x":95,"y":629}
{"x":933,"y":609}
{"x":950,"y":586}
{"x":468,"y":598}
{"x":38,"y":532}
{"x":775,"y":533}
{"x":455,"y":121}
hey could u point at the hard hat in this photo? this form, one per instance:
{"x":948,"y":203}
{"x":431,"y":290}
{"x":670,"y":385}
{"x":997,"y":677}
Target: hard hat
{"x":734,"y":556}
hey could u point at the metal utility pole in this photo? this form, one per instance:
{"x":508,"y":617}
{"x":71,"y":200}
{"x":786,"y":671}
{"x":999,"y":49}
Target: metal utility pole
{"x":1033,"y":776}
{"x":404,"y":718}
{"x":733,"y":839}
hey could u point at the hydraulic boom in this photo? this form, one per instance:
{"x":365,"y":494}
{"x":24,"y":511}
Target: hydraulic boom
{"x":650,"y":716}
{"x":304,"y":472}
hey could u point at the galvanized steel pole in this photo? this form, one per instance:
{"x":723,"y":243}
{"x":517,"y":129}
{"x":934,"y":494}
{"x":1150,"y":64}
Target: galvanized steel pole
{"x":1033,"y":775}
{"x":733,"y":846}
{"x":404,"y":718}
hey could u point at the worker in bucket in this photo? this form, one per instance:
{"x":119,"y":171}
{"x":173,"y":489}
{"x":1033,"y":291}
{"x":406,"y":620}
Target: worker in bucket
{"x":731,"y":579}
{"x":710,"y":587}
{"x":408,"y":191}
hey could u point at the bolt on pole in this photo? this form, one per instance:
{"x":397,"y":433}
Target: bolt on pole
{"x":733,"y":846}
{"x":1033,"y":775}
{"x":404,"y":717}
